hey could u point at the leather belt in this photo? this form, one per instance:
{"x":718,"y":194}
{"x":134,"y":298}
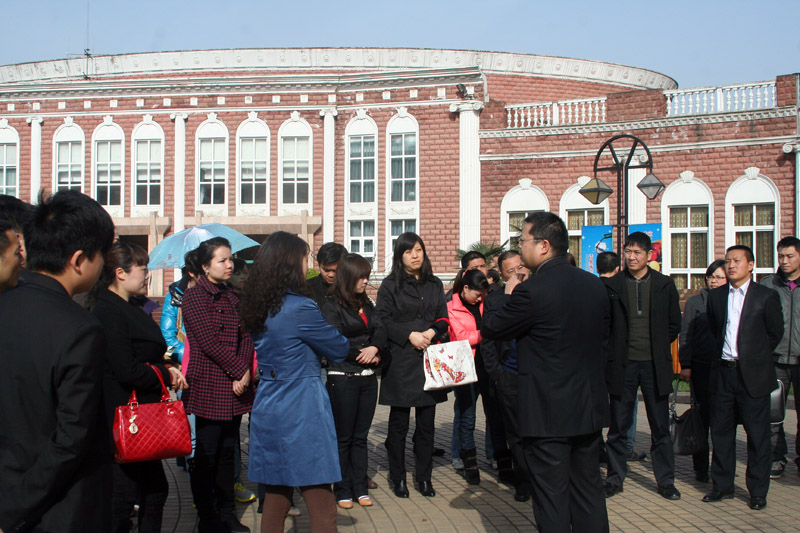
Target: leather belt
{"x":729,"y":364}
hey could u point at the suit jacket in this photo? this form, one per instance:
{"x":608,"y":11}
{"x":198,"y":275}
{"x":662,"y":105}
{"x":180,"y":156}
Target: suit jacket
{"x":760,"y":331}
{"x":55,"y":454}
{"x":665,"y":325}
{"x":560,"y":320}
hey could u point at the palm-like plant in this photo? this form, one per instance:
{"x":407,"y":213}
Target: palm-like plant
{"x":490,"y":250}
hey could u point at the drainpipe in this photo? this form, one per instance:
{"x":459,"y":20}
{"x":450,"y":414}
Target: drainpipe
{"x":794,"y":147}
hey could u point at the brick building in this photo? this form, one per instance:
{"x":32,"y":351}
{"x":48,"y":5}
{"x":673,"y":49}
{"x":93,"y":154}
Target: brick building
{"x":359,"y":145}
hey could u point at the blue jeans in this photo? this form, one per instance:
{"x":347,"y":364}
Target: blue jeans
{"x":466,"y":401}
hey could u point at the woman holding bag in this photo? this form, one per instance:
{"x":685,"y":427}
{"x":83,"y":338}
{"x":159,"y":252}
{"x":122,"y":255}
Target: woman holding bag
{"x":134,"y":349}
{"x":410,"y":305}
{"x":465,"y":310}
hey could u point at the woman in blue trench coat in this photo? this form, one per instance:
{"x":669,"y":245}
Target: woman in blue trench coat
{"x":292,"y":434}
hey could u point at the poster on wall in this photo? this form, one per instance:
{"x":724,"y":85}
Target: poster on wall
{"x":654,"y":232}
{"x":594,"y":240}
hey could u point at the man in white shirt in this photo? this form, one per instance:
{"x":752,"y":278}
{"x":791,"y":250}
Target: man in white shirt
{"x":747,"y":323}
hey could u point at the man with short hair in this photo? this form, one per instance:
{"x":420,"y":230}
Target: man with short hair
{"x":500,"y":362}
{"x":645,"y":319}
{"x":10,"y":257}
{"x":559,"y":318}
{"x":17,"y":212}
{"x":746,"y":322}
{"x":55,"y":454}
{"x":607,"y":264}
{"x":328,"y":257}
{"x":786,"y":354}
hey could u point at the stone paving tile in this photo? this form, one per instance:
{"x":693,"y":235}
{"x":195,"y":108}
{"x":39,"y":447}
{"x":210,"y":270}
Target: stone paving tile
{"x":460,"y":508}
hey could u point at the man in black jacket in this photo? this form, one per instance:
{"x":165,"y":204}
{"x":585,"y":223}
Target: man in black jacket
{"x":645,"y":319}
{"x":328,"y":257}
{"x":55,"y":454}
{"x":747,"y":324}
{"x":559,"y":319}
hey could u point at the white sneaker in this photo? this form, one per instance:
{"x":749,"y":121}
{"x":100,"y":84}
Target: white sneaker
{"x":458,"y":464}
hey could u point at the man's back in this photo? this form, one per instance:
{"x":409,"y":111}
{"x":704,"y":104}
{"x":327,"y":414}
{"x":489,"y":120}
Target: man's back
{"x":54,"y":447}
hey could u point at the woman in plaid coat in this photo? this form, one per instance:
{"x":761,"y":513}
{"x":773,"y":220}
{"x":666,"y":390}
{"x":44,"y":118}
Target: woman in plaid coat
{"x":220,"y":391}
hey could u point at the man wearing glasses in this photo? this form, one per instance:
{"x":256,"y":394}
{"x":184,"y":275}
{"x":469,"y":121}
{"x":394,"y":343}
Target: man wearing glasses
{"x":645,"y":319}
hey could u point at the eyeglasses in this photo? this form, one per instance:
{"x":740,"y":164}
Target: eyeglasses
{"x":720,"y":278}
{"x":531,"y":239}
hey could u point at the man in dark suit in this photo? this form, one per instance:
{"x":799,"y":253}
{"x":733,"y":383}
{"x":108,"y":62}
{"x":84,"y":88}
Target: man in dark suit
{"x":55,"y":454}
{"x":747,"y":324}
{"x":645,"y":319}
{"x":559,"y":319}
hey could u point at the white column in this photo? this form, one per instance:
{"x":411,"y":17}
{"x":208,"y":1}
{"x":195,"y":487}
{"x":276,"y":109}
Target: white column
{"x":36,"y":157}
{"x":328,"y":172}
{"x":637,"y":206}
{"x":179,"y":182}
{"x":469,"y":171}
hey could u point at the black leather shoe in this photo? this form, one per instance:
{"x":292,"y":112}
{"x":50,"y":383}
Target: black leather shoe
{"x":426,"y":489}
{"x":438,"y":452}
{"x":521,"y":496}
{"x":757,"y":503}
{"x":718,"y":495}
{"x":612,"y":490}
{"x":400,"y":488}
{"x":669,"y":492}
{"x":235,"y":526}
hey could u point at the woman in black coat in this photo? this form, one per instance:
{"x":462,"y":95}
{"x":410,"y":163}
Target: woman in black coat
{"x":134,"y":350}
{"x":410,"y":305}
{"x":353,"y":384}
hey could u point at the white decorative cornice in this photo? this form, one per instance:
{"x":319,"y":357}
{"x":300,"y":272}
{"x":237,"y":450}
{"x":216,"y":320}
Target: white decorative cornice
{"x":752,"y":172}
{"x":361,"y":113}
{"x":402,"y":112}
{"x":362,"y":211}
{"x":396,"y":210}
{"x":31,"y":120}
{"x":212,"y":116}
{"x":100,"y":67}
{"x":68,"y":121}
{"x":666,"y":122}
{"x":328,"y":111}
{"x":791,"y":148}
{"x":147,"y":118}
{"x":108,"y":119}
{"x":4,"y":122}
{"x":687,"y":176}
{"x":295,"y":116}
{"x":468,"y":105}
{"x":252,"y":115}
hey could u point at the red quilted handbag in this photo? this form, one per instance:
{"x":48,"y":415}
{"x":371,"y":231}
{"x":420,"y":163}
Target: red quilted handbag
{"x":151,"y":431}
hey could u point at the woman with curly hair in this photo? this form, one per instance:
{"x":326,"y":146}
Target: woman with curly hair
{"x":292,"y":434}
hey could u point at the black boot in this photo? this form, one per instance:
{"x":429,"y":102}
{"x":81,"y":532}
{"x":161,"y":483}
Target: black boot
{"x":201,"y":477}
{"x":471,"y":472}
{"x":505,"y":467}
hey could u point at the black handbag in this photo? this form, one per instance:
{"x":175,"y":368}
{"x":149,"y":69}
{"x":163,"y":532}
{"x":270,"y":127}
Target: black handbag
{"x":687,"y":431}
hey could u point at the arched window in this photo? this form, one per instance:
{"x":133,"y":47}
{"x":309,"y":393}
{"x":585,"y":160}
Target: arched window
{"x":9,"y":159}
{"x":752,"y":218}
{"x":212,"y":167}
{"x":148,"y":167}
{"x":252,"y":141}
{"x":687,"y":207}
{"x":108,"y":176}
{"x":576,"y":211}
{"x":402,"y":163}
{"x":68,"y":162}
{"x":517,"y":204}
{"x":360,"y":177}
{"x":295,"y":153}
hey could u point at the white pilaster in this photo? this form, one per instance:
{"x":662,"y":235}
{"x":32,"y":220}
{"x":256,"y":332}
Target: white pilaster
{"x":469,"y":170}
{"x":36,"y":157}
{"x":637,"y":206}
{"x":179,"y":183}
{"x":328,"y":172}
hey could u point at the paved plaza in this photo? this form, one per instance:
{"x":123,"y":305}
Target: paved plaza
{"x":490,"y":506}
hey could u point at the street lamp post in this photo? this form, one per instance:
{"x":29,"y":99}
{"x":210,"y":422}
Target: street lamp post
{"x":621,"y":149}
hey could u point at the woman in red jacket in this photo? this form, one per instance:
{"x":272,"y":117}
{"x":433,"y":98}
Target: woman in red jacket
{"x":465,"y":310}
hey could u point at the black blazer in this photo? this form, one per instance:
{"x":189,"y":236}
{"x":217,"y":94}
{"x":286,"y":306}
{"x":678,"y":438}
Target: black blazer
{"x":760,"y":331}
{"x":559,"y":318}
{"x":55,"y":458}
{"x":132,"y":338}
{"x":665,"y":325}
{"x":360,"y":335}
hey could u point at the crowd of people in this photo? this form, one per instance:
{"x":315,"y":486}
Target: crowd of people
{"x":560,"y":355}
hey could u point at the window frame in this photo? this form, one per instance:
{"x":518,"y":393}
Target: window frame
{"x":109,"y":132}
{"x":147,"y":131}
{"x":213,"y":130}
{"x":69,"y":133}
{"x":401,"y":122}
{"x":9,"y":136}
{"x":295,"y":127}
{"x":253,"y":129}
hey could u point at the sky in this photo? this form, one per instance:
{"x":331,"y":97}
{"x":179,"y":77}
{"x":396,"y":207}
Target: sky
{"x":699,"y":43}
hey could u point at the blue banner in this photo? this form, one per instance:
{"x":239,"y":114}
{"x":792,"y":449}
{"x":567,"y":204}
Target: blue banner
{"x":594,"y":240}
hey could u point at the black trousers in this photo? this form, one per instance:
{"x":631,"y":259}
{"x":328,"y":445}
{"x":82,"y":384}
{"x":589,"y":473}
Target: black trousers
{"x":353,"y":400}
{"x":423,"y":442}
{"x":700,"y":381}
{"x":507,"y":396}
{"x":789,"y":375}
{"x":567,"y":487}
{"x":143,"y":483}
{"x":640,"y":374}
{"x":211,"y":475}
{"x":492,"y":409}
{"x":729,"y":401}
